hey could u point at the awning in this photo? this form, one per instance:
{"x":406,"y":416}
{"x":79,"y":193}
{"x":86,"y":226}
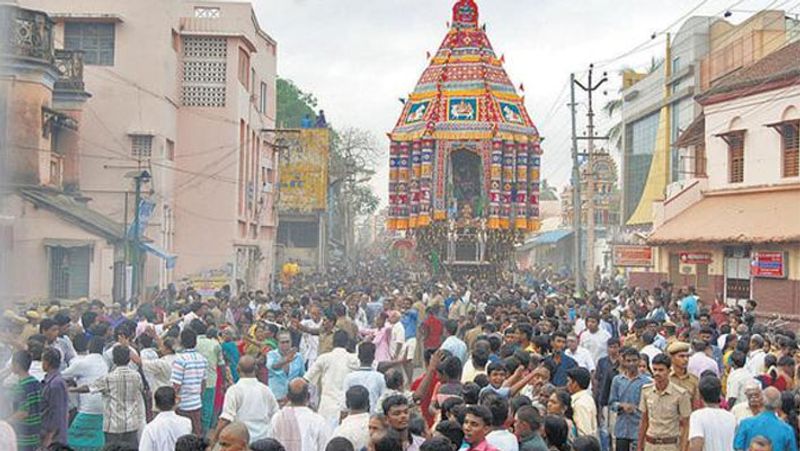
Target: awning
{"x":161,"y":253}
{"x":546,"y":238}
{"x":747,"y":217}
{"x":694,"y":135}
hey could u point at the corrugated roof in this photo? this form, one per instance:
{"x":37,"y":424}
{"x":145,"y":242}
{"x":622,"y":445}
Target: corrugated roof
{"x":749,"y":217}
{"x":75,"y":212}
{"x":779,"y":67}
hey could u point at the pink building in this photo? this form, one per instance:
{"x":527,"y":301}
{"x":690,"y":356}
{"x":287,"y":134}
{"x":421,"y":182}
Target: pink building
{"x":185,"y":90}
{"x":52,"y":244}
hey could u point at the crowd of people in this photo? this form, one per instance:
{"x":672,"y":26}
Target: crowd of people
{"x":389,"y":359}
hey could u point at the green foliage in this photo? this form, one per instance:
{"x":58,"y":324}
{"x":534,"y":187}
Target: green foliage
{"x":293,"y":104}
{"x":364,"y":201}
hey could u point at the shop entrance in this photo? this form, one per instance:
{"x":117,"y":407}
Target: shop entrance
{"x":737,"y":275}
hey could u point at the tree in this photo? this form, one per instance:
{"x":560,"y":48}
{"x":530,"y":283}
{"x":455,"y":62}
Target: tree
{"x":614,"y":106}
{"x":293,"y":104}
{"x":354,"y":155}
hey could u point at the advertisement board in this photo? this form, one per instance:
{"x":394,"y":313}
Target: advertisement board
{"x":770,"y":265}
{"x":631,"y":255}
{"x":304,"y":169}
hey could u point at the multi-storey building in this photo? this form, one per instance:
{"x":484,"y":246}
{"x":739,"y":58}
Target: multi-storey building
{"x":52,"y":245}
{"x":734,"y":229}
{"x":183,"y":89}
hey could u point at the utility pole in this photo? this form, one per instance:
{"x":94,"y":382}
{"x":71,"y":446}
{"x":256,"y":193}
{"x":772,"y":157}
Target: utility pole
{"x":143,"y":177}
{"x":576,"y":192}
{"x":590,"y":237}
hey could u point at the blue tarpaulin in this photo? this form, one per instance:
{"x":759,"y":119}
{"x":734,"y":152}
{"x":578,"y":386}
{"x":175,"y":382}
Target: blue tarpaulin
{"x":546,"y":238}
{"x":157,"y":251}
{"x":551,"y":237}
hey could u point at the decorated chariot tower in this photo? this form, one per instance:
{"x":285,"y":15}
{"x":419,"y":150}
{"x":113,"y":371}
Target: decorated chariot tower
{"x":465,"y":156}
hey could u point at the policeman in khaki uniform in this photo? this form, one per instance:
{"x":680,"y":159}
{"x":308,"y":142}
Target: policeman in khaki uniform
{"x":679,"y":356}
{"x":665,"y":408}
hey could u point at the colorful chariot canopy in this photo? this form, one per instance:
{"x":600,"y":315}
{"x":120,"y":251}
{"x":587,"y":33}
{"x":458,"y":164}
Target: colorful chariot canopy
{"x":464,"y":148}
{"x":465,"y":93}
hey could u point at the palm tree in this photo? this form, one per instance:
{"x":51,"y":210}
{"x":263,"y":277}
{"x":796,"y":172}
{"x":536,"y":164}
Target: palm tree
{"x":615,"y":105}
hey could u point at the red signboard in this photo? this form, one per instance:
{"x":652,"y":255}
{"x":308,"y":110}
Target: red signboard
{"x":769,"y":265}
{"x":696,"y":258}
{"x":633,"y":255}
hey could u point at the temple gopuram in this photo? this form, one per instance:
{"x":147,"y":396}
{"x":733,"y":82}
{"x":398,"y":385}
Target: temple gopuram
{"x":465,"y":156}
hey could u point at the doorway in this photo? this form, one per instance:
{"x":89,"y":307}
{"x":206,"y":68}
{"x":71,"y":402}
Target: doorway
{"x":737,"y":275}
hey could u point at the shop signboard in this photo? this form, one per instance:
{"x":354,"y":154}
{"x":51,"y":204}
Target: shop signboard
{"x":770,"y":265}
{"x":696,"y":258}
{"x":631,"y":255}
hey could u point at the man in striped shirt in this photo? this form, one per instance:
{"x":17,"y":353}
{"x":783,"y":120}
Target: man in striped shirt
{"x":188,"y":379}
{"x":123,"y":400}
{"x":27,"y":400}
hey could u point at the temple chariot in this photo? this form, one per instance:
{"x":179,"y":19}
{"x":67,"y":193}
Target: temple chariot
{"x":465,"y":157}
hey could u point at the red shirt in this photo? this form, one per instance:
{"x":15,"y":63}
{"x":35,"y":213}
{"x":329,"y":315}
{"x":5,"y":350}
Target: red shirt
{"x":433,"y":332}
{"x":425,"y":402}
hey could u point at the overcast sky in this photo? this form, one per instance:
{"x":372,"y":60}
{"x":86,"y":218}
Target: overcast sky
{"x":359,"y":56}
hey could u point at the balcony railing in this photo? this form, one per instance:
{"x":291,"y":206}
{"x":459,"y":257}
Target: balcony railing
{"x":70,"y":67}
{"x":26,"y":33}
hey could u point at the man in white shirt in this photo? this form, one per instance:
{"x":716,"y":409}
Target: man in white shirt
{"x":738,"y":379}
{"x":366,"y":376}
{"x":650,"y":349}
{"x":159,"y":371}
{"x":84,"y":370}
{"x":584,"y":410}
{"x":594,"y":339}
{"x":355,"y":426}
{"x":327,"y":375}
{"x":167,"y":426}
{"x":309,"y":344}
{"x":579,"y":354}
{"x":754,"y":404}
{"x":500,"y":437}
{"x":755,"y":359}
{"x":249,"y":402}
{"x":398,"y":335}
{"x":711,"y":428}
{"x":296,"y":426}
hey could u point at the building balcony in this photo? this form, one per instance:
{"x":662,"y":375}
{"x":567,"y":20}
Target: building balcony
{"x":26,"y":34}
{"x":70,"y":68}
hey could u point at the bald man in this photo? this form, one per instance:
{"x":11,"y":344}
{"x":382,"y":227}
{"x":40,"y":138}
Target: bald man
{"x":249,"y":402}
{"x":234,"y":437}
{"x":296,"y":426}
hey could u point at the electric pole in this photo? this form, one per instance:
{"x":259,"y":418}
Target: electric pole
{"x":590,"y":182}
{"x":576,"y":192}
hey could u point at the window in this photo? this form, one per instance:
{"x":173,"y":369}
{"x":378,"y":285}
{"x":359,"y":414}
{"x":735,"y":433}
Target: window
{"x":69,"y":272}
{"x":205,"y":61}
{"x":244,"y":67}
{"x":735,"y":142}
{"x":253,"y":82}
{"x":56,"y":170}
{"x":141,"y":146}
{"x":700,"y":161}
{"x":262,"y":105}
{"x":169,"y":151}
{"x":790,"y":142}
{"x":96,"y":40}
{"x":205,"y":12}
